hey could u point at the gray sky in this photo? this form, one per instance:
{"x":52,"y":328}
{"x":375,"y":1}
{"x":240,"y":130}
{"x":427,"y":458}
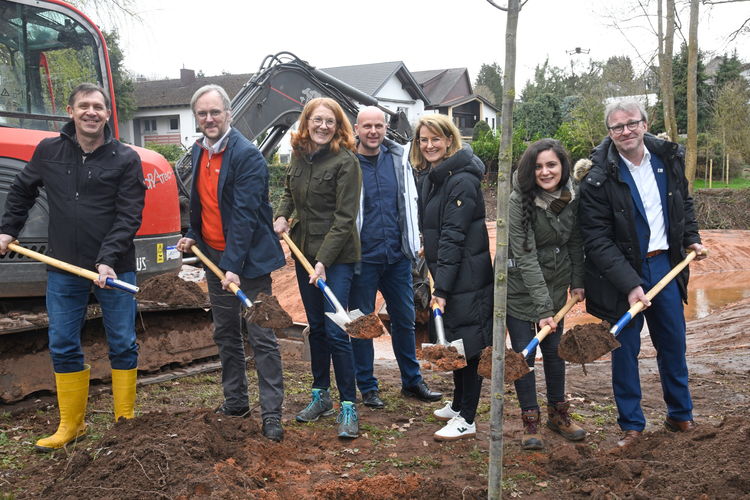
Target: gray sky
{"x":234,"y":36}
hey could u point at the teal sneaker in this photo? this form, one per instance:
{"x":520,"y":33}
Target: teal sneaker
{"x":348,"y":420}
{"x":320,"y":406}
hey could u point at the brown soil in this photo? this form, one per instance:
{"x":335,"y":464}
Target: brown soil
{"x":515,"y":365}
{"x":368,"y":326}
{"x":443,"y":358}
{"x":485,"y":363}
{"x":267,"y":313}
{"x":586,"y":343}
{"x":171,"y":289}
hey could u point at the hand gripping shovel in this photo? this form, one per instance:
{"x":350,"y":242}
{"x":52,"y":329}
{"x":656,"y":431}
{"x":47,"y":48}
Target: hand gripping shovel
{"x":354,"y":323}
{"x":79,"y":271}
{"x":444,"y":356}
{"x":265,"y":312}
{"x":586,"y":343}
{"x":515,"y":362}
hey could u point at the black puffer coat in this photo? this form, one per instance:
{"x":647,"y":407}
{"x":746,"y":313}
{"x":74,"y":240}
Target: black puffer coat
{"x":456,"y":248}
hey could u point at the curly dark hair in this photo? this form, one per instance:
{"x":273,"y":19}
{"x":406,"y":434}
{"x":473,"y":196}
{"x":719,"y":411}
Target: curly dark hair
{"x":526,"y":177}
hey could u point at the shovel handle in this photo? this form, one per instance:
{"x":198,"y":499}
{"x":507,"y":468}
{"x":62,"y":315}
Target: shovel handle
{"x":572,"y":300}
{"x":79,"y":271}
{"x":219,"y":274}
{"x":437,"y":316}
{"x":638,"y":306}
{"x":321,"y":284}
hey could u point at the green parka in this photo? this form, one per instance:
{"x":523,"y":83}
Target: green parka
{"x":323,"y":194}
{"x":538,"y":280}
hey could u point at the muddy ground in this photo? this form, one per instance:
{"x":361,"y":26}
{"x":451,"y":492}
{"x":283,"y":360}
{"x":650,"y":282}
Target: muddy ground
{"x":178,"y":448}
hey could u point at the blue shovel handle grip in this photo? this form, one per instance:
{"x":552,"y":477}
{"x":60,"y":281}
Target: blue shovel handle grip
{"x":532,"y":345}
{"x":122,"y":285}
{"x":621,"y":323}
{"x":241,"y":295}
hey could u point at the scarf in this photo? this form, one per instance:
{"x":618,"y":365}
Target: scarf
{"x":555,"y":201}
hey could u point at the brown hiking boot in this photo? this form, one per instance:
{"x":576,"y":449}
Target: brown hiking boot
{"x":531,"y":439}
{"x":558,"y":419}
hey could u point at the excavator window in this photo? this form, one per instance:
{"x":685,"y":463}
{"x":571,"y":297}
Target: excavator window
{"x":44,"y":54}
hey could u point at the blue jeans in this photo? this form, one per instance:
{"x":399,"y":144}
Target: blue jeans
{"x":67,"y":299}
{"x":666,"y":325}
{"x":394,"y":283}
{"x":327,"y":340}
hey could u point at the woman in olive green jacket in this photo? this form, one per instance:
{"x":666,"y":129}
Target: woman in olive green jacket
{"x":323,"y":185}
{"x":545,"y":259}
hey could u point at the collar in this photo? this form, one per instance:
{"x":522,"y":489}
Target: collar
{"x":644,"y":161}
{"x":219,"y":146}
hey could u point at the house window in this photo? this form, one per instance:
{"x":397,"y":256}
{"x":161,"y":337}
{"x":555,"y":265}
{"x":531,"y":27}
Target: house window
{"x":149,"y":125}
{"x":174,"y":124}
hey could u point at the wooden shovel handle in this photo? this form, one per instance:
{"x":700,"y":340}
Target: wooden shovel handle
{"x":213,"y":267}
{"x":638,"y":306}
{"x":300,"y":256}
{"x":572,"y":300}
{"x":78,"y":271}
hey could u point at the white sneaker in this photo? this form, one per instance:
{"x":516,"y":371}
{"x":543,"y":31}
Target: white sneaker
{"x":456,"y":428}
{"x":445,"y":413}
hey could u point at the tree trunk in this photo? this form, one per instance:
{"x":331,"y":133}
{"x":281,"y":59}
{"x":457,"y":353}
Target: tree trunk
{"x":666,"y":49}
{"x":692,"y":97}
{"x":505,"y":159}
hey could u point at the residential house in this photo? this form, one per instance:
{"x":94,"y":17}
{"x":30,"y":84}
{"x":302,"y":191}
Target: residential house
{"x":450,"y":93}
{"x":164,"y":115}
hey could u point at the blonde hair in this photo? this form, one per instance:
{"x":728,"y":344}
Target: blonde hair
{"x":438,"y":124}
{"x":343,"y":137}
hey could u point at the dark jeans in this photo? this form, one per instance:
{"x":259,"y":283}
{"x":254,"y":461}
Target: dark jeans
{"x":666,"y":325}
{"x":521,"y":333}
{"x":226,"y":309}
{"x":67,"y":299}
{"x":327,"y":340}
{"x":394,"y":283}
{"x":467,"y":387}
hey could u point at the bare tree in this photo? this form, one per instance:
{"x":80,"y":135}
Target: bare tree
{"x":666,"y":48}
{"x":505,"y":158}
{"x":691,"y":159}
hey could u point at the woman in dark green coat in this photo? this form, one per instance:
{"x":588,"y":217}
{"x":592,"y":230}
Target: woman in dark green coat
{"x":545,"y":259}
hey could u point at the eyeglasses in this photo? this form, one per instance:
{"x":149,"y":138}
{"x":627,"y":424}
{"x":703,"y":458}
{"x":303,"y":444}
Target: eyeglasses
{"x":619,"y":129}
{"x":318,"y":121}
{"x":214,"y":113}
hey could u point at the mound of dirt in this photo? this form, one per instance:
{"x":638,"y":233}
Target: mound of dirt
{"x":710,"y":462}
{"x":368,"y":326}
{"x":443,"y":358}
{"x":172,"y":290}
{"x":485,"y":363}
{"x":268,"y":313}
{"x":586,"y":343}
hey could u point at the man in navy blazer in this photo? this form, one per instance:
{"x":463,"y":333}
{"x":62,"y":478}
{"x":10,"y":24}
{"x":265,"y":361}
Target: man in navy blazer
{"x":636,"y":217}
{"x":230,"y":221}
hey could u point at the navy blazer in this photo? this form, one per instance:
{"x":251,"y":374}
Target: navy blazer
{"x":252,"y":247}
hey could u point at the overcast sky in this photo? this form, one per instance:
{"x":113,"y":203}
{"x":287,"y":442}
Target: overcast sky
{"x":234,"y":36}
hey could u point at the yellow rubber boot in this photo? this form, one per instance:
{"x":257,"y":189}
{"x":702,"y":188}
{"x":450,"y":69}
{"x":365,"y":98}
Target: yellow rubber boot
{"x":123,"y":392}
{"x":72,"y":396}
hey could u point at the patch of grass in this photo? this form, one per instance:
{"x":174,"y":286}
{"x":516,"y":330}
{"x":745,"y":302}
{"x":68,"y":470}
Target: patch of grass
{"x":577,"y":417}
{"x":736,"y":183}
{"x":480,"y":458}
{"x":414,"y":463}
{"x":377,"y":434}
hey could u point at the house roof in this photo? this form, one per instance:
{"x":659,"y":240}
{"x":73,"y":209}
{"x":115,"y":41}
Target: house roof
{"x":370,"y":78}
{"x":438,"y":83}
{"x":178,"y":92}
{"x":467,"y":98}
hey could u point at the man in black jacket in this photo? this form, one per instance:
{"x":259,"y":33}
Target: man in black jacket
{"x":636,"y":217}
{"x":95,"y":190}
{"x":230,"y":221}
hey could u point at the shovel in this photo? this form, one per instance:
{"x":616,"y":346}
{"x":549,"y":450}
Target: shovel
{"x":274,"y":316}
{"x":447,"y":356}
{"x":79,"y":271}
{"x":347,"y":321}
{"x":588,"y":344}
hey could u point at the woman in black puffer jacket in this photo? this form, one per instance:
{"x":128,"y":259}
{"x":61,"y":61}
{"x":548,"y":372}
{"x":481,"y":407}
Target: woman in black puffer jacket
{"x":456,"y":248}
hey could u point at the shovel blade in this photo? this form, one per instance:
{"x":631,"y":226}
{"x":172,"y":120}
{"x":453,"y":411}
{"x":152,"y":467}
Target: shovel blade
{"x":459,"y":345}
{"x":340,"y":318}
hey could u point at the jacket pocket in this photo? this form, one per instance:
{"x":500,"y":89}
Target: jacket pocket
{"x":324,"y":183}
{"x":318,"y":227}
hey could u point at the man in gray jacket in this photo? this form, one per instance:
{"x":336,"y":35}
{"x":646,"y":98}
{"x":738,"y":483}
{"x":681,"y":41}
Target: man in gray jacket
{"x":390,"y":240}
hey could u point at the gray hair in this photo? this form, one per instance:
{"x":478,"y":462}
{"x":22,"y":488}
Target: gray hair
{"x":627,"y":105}
{"x":208,"y":88}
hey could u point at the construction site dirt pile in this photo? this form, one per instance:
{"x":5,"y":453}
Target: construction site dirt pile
{"x":368,"y":326}
{"x":586,"y":343}
{"x":172,"y":290}
{"x":268,"y":313}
